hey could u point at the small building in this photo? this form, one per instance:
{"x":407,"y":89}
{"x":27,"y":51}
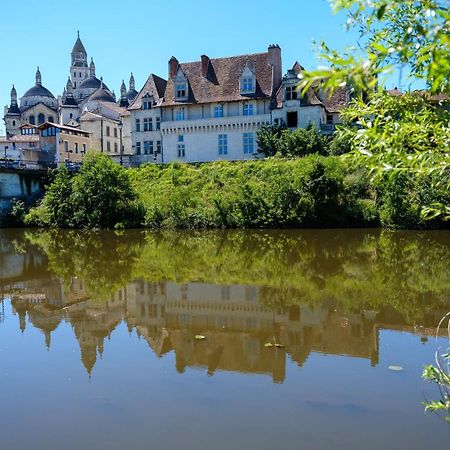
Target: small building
{"x":61,"y":144}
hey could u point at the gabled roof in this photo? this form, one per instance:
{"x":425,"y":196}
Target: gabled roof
{"x":336,"y":101}
{"x":154,"y":86}
{"x":222,"y":83}
{"x":26,"y":108}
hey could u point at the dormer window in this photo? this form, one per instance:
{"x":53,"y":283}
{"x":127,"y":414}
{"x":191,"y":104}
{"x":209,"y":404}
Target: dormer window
{"x":248,"y":85}
{"x":181,"y":91}
{"x":248,"y":79}
{"x":290,"y":93}
{"x":147,"y":101}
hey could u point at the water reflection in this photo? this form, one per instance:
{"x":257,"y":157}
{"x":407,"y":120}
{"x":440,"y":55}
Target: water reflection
{"x":312,"y":291}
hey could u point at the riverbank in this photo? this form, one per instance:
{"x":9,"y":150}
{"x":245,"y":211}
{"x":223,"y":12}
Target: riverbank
{"x":312,"y":191}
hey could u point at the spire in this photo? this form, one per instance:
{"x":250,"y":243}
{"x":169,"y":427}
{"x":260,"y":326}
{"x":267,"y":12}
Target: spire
{"x":69,"y":85}
{"x":123,"y":89}
{"x":38,"y":77}
{"x":102,"y":86}
{"x":92,"y":68}
{"x":13,"y":96}
{"x":132,"y":83}
{"x":47,"y":339}
{"x":78,"y":46}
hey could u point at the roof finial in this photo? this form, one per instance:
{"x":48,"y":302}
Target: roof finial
{"x":78,"y":32}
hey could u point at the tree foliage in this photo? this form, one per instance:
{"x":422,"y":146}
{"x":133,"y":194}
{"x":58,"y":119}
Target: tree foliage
{"x":99,"y":196}
{"x":400,"y":139}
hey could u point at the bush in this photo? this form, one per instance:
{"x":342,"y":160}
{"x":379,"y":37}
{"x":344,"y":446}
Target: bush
{"x":99,"y":196}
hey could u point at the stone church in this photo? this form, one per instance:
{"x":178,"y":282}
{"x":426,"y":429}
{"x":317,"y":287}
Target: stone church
{"x":84,"y":93}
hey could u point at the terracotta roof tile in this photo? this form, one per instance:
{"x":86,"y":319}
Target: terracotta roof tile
{"x":222,"y":83}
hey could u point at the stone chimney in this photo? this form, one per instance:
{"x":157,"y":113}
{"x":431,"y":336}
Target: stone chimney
{"x":173,"y":67}
{"x":205,"y":66}
{"x":274,"y":59}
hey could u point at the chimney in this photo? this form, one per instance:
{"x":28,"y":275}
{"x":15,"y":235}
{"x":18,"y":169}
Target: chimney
{"x":274,"y":59}
{"x":205,"y":66}
{"x":173,"y":67}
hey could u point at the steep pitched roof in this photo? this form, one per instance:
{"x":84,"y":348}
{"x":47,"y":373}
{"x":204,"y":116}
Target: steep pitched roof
{"x":336,"y":101}
{"x":155,"y":86}
{"x":222,"y":83}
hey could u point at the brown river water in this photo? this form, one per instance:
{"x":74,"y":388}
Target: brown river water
{"x":140,"y":340}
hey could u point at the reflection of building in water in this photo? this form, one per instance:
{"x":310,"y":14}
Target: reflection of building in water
{"x":233,"y":319}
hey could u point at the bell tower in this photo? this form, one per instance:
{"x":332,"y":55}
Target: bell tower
{"x":79,"y":69}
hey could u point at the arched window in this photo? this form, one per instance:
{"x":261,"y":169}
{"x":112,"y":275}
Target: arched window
{"x":70,"y":116}
{"x":14,"y":123}
{"x":33,"y":120}
{"x":41,"y":119}
{"x":51,"y":119}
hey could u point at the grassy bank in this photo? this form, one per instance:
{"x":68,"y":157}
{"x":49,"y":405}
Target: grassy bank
{"x":312,"y":191}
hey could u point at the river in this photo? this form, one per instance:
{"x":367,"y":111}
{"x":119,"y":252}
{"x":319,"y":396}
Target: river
{"x":268,"y":340}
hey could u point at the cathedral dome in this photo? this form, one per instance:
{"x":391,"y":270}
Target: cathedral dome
{"x":91,"y":83}
{"x":102,"y":95}
{"x":38,"y":94}
{"x":38,"y":91}
{"x":131,"y":94}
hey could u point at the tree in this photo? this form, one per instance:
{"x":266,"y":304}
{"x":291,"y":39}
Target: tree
{"x":405,"y":135}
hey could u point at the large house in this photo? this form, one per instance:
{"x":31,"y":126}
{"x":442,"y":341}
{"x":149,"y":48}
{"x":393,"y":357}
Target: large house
{"x":210,"y":109}
{"x":206,"y":110}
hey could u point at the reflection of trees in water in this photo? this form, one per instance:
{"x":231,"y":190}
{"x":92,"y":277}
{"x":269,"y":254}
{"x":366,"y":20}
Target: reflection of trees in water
{"x":354,"y":268}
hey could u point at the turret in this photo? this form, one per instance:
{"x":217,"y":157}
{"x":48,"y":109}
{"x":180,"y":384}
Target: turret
{"x":123,"y":89}
{"x":132,"y":82}
{"x":92,"y":68}
{"x":38,"y":77}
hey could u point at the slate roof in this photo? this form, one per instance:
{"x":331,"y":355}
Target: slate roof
{"x":79,"y":47}
{"x":102,"y":95}
{"x":155,"y":86}
{"x":92,"y":83}
{"x":222,"y":83}
{"x":38,"y":91}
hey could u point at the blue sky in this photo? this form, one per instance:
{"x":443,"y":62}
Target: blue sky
{"x":141,"y":36}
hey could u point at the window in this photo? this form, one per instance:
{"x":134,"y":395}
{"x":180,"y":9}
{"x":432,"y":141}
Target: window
{"x":248,"y":85}
{"x":70,"y":116}
{"x":180,"y":114}
{"x":138,"y":148}
{"x":108,"y":146}
{"x":292,"y":119}
{"x":329,"y":119}
{"x":84,"y":149}
{"x":148,"y":124}
{"x":223,"y":144}
{"x":158,"y":123}
{"x":158,"y":146}
{"x":138,"y":124}
{"x":148,"y":145}
{"x":146,"y":104}
{"x":51,"y":119}
{"x":41,"y":119}
{"x":249,"y":139}
{"x":108,"y":131}
{"x":291,"y":93}
{"x":76,"y":147}
{"x":218,"y":111}
{"x":14,"y":123}
{"x":33,"y":120}
{"x":115,"y":132}
{"x":116,"y":147}
{"x":180,"y":90}
{"x":181,"y":147}
{"x":66,"y":146}
{"x":248,"y":109}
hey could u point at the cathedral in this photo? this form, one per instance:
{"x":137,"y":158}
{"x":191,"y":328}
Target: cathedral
{"x":84,"y":93}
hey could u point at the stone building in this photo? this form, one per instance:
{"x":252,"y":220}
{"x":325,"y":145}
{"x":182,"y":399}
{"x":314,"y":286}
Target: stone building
{"x":82,"y":94}
{"x":211,"y":109}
